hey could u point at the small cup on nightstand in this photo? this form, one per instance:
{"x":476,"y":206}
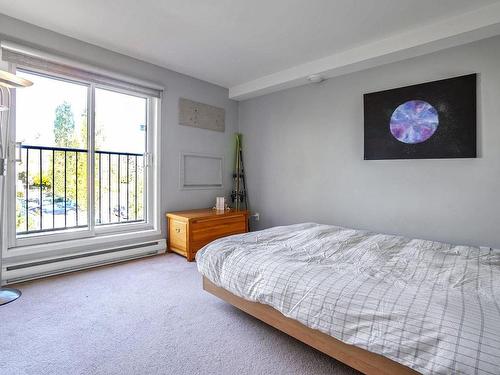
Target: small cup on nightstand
{"x":220,"y":203}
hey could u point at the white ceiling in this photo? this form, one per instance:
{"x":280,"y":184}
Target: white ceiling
{"x":243,"y":44}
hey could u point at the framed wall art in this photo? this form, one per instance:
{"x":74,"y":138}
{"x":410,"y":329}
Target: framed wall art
{"x":426,"y":121}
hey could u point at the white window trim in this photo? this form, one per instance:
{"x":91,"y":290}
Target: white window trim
{"x":32,"y":244}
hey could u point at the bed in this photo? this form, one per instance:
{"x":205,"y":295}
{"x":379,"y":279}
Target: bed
{"x":382,"y":304}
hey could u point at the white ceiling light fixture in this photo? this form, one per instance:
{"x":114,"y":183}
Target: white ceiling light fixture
{"x":315,"y":78}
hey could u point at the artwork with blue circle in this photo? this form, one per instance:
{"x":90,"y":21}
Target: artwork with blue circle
{"x":414,"y":121}
{"x":426,"y":121}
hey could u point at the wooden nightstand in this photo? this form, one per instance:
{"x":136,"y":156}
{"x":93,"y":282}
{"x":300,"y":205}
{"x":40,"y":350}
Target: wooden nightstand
{"x":189,"y":231}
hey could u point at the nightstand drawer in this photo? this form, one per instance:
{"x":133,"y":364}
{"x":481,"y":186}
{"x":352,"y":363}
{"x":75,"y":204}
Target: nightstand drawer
{"x":202,"y":232}
{"x":212,"y":221}
{"x":177,"y":234}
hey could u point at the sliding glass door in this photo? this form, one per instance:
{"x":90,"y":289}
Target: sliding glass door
{"x":82,"y":160}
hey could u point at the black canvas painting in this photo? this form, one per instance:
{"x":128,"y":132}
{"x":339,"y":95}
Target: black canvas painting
{"x":426,"y":121}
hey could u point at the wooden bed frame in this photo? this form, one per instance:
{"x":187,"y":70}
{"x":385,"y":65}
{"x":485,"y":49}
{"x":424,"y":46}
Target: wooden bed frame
{"x":362,"y":360}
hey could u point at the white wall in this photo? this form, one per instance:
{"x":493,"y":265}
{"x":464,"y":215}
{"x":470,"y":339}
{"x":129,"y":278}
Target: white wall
{"x":175,"y":138}
{"x":304,"y":156}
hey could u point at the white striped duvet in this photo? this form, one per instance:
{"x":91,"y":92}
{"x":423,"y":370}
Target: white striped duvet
{"x":428,"y":305}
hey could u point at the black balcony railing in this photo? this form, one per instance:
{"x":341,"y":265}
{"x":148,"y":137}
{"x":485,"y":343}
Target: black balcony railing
{"x":52,"y":191}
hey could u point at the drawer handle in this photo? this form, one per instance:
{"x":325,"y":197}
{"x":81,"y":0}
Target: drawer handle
{"x":178,"y":230}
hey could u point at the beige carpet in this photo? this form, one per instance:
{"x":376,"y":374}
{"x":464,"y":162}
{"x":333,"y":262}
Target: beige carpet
{"x":148,"y":316}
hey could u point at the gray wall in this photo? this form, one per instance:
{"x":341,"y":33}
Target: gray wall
{"x":175,"y":138}
{"x":304,"y":156}
{"x":304,"y":146}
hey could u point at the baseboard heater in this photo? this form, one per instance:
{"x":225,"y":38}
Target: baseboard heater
{"x":49,"y":267}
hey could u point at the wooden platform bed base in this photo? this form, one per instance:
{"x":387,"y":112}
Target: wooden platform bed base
{"x":362,"y":360}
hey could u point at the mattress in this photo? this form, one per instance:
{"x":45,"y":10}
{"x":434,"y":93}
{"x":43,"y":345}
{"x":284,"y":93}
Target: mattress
{"x":428,"y":305}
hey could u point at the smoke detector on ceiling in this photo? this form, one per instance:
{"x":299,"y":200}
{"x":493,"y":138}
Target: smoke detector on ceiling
{"x":315,"y":78}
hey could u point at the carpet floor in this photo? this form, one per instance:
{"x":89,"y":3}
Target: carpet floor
{"x":147,"y":316}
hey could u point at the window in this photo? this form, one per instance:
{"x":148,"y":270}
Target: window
{"x":84,"y":159}
{"x":120,"y":144}
{"x":51,"y":176}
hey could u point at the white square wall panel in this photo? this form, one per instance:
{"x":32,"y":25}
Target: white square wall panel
{"x":201,"y":171}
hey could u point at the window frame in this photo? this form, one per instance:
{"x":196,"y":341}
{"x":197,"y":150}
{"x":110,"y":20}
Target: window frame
{"x":150,"y":225}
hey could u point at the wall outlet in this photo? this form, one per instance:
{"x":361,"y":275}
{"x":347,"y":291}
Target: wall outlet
{"x":256,"y":216}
